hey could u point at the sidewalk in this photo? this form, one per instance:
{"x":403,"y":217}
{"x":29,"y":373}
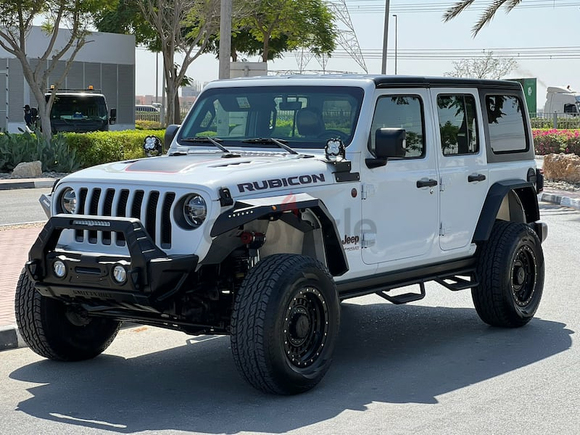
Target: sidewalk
{"x":15,"y":243}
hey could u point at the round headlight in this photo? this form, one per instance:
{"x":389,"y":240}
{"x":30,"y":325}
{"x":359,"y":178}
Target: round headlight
{"x":68,"y":201}
{"x":194,"y":210}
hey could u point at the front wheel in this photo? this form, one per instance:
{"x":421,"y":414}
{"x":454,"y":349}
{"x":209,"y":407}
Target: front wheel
{"x":58,"y":331}
{"x":510,"y":271}
{"x":285,"y":324}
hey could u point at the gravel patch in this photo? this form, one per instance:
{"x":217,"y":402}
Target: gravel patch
{"x":561,"y":185}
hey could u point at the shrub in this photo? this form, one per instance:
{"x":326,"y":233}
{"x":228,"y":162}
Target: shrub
{"x":27,"y":147}
{"x":548,"y":141}
{"x":148,"y":125}
{"x":100,"y":147}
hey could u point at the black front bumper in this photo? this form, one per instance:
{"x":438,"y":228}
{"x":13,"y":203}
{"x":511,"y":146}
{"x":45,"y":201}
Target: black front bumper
{"x":153,"y":277}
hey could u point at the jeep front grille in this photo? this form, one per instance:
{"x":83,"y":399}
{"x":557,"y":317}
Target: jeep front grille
{"x":152,"y":207}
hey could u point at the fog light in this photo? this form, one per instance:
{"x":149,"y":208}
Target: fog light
{"x":119,"y":274}
{"x":59,"y":269}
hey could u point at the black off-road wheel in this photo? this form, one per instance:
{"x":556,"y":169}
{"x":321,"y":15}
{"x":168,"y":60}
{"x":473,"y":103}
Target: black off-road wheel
{"x":285,"y":324}
{"x":510,"y":271}
{"x":58,"y":331}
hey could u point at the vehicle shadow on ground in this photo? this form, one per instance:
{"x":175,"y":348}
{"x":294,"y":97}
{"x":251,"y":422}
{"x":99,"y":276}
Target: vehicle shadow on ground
{"x":386,"y":353}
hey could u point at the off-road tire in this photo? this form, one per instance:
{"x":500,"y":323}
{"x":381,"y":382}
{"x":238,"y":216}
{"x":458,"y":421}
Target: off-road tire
{"x":510,"y":272}
{"x":45,"y":327}
{"x":285,"y":324}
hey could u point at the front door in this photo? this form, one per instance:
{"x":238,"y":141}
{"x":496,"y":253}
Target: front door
{"x":400,"y":200}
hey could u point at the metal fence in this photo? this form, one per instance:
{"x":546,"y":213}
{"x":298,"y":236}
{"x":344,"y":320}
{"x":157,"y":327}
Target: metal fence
{"x":155,"y":116}
{"x":560,"y":121}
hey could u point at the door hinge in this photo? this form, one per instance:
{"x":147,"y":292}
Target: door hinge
{"x":441,"y":185}
{"x":368,"y":239}
{"x":441,"y":229}
{"x":367,"y":190}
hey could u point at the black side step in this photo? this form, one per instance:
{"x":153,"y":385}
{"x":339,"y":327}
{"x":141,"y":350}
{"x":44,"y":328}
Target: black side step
{"x":405,"y":297}
{"x":456,"y":283}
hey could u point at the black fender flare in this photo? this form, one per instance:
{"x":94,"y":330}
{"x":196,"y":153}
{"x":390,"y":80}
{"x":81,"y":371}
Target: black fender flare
{"x":280,"y":207}
{"x":527,"y":195}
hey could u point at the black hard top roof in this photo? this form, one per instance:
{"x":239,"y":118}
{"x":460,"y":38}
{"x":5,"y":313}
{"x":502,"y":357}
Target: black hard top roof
{"x":420,"y":81}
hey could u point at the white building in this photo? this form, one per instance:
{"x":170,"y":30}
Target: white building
{"x":106,"y":63}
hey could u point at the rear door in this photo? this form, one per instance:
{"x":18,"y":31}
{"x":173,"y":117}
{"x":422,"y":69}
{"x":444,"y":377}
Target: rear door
{"x":463,"y":169}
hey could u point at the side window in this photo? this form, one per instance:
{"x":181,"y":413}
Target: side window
{"x":457,"y":124}
{"x":570,"y":108}
{"x":505,"y":117}
{"x":401,"y":111}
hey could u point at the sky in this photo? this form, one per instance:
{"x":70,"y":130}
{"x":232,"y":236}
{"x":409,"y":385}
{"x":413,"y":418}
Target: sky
{"x":541,"y":35}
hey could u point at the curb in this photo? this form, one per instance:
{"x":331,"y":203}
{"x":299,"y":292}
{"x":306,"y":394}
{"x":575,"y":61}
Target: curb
{"x":26,"y":184}
{"x":10,"y":338}
{"x":560,"y":200}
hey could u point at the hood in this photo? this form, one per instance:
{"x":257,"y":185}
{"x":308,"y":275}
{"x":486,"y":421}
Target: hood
{"x":255,"y":174}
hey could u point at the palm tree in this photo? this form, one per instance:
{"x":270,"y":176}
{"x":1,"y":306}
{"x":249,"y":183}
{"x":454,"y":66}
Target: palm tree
{"x":487,"y":15}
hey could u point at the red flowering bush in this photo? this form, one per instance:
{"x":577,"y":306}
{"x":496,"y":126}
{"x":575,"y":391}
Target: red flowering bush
{"x":548,"y":141}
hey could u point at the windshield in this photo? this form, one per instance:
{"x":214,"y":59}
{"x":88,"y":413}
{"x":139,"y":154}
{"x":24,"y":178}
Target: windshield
{"x":79,"y":107}
{"x":301,"y":116}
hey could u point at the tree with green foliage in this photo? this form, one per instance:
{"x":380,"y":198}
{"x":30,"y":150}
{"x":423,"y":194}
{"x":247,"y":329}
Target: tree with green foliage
{"x":484,"y":18}
{"x":277,"y":26}
{"x":16,"y":21}
{"x":169,"y":27}
{"x":191,"y":27}
{"x":124,"y":16}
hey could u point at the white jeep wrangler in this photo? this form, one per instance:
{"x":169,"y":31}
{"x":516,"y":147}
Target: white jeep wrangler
{"x":279,"y":197}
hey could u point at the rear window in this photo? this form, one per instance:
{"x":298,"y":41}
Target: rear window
{"x":506,"y":124}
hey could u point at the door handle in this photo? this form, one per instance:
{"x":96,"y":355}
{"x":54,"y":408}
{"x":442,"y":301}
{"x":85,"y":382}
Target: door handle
{"x":426,"y":183}
{"x":475,"y":177}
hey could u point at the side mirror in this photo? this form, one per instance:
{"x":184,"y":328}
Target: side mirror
{"x":389,"y":144}
{"x":170,"y":133}
{"x":113,"y":117}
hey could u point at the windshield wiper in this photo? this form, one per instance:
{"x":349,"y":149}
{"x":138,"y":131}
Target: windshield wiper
{"x":206,"y":139}
{"x":271,"y":140}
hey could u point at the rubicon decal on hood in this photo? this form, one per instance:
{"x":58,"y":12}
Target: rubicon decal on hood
{"x":281,"y":182}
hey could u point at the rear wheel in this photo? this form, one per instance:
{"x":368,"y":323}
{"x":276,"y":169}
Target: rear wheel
{"x":285,"y":324}
{"x":511,"y":276}
{"x":58,"y":331}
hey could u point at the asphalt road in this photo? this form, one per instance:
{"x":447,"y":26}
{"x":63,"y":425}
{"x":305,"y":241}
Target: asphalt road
{"x":21,"y":206}
{"x":431,"y":367}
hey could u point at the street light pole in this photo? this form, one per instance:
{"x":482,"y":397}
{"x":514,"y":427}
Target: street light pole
{"x":396,"y":42}
{"x":385,"y":38}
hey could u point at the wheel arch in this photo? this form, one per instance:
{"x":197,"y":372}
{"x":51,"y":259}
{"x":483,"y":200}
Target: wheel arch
{"x":300,"y":214}
{"x":509,"y":200}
